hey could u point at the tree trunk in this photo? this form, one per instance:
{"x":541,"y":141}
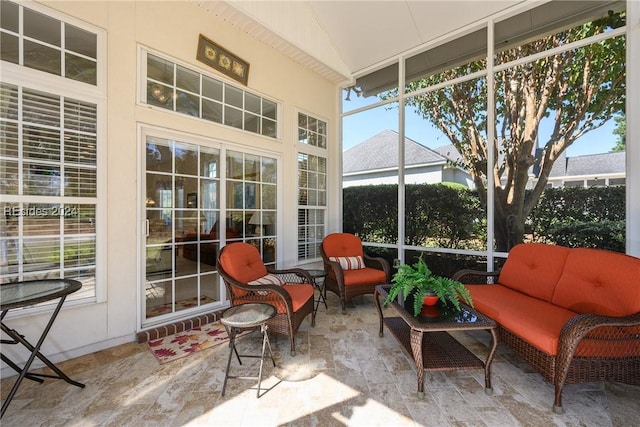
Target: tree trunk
{"x":508,"y":231}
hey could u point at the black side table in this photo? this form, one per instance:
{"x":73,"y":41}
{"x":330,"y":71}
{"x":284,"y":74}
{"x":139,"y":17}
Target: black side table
{"x":318,"y":282}
{"x":247,"y":316}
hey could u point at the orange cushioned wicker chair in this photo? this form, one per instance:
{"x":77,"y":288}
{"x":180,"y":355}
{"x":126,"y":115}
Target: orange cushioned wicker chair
{"x":351,"y":272}
{"x":248,"y":280}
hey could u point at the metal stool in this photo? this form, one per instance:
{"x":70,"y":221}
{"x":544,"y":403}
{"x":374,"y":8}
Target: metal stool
{"x":247,"y":316}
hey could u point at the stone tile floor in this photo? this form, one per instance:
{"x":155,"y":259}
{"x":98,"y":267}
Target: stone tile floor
{"x":344,"y":374}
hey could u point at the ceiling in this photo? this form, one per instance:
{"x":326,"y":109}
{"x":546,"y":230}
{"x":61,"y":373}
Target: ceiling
{"x":340,"y":39}
{"x":344,"y":40}
{"x":368,"y":32}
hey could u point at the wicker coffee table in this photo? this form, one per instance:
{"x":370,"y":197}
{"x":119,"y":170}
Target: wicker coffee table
{"x":427,"y":341}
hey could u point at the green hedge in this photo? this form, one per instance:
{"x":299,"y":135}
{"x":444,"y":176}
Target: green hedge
{"x":436,"y":215}
{"x":580,"y":217}
{"x":443,"y":216}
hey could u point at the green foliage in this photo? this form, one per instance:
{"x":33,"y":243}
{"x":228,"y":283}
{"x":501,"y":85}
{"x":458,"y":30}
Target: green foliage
{"x":580,"y":217}
{"x":604,"y":235}
{"x":417,"y":280}
{"x":371,"y":212}
{"x":576,"y":91}
{"x":620,"y":131}
{"x":435,"y":215}
{"x":440,"y":216}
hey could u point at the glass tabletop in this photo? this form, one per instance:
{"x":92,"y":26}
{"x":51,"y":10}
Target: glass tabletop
{"x":247,"y":315}
{"x":439,"y":316}
{"x":21,"y":294}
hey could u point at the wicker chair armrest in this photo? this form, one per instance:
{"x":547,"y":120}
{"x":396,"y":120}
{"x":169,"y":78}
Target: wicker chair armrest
{"x":378,"y":263}
{"x":579,"y":326}
{"x":256,"y":293}
{"x":292,"y":275}
{"x":458,"y":275}
{"x":335,"y":267}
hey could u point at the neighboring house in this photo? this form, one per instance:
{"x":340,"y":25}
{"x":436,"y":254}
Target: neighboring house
{"x":375,"y":161}
{"x":593,"y":170}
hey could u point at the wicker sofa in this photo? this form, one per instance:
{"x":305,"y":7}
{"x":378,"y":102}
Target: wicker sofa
{"x":572,"y":314}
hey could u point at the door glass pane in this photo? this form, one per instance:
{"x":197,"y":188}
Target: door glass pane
{"x":209,"y":194}
{"x":235,"y":194}
{"x":209,"y":163}
{"x":159,"y":155}
{"x":182,"y":242}
{"x":186,"y":159}
{"x":234,"y":165}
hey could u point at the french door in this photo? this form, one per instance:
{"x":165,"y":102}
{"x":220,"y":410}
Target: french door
{"x":197,"y":198}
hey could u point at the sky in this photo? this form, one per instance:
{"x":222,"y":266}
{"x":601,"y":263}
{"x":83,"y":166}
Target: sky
{"x":362,"y":126}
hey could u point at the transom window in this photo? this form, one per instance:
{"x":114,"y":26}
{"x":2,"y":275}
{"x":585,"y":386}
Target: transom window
{"x":312,"y":131}
{"x":177,"y":88}
{"x":47,"y":44}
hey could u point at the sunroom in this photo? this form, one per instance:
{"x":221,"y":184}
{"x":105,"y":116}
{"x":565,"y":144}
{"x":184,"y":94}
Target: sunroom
{"x":141,"y":137}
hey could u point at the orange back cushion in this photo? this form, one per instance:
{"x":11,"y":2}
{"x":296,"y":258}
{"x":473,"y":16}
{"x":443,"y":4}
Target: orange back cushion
{"x":599,"y":282}
{"x":242,"y":261}
{"x":342,"y":245}
{"x":534,"y":269}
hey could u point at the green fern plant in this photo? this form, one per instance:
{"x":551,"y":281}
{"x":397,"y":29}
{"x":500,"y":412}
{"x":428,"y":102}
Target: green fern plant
{"x":418,"y":280}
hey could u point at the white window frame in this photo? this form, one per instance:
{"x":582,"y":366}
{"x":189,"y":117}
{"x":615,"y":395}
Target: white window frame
{"x":309,"y":149}
{"x":143,"y":51}
{"x":95,"y":94}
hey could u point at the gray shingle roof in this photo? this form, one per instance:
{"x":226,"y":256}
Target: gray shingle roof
{"x":449,"y":151}
{"x":381,"y":152}
{"x":591,"y":164}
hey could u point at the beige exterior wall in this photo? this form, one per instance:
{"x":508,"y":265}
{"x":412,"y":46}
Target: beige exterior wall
{"x":172,"y":28}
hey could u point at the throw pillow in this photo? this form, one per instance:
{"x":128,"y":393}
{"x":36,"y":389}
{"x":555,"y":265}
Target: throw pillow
{"x":269,"y":279}
{"x":349,"y":262}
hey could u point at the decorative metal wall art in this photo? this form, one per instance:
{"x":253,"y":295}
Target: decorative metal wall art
{"x":222,"y":60}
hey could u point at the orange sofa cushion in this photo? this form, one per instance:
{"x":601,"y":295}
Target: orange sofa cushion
{"x":536,"y":321}
{"x":534,"y":269}
{"x":342,"y":245}
{"x":364,"y":276}
{"x":599,"y":282}
{"x":242,"y":262}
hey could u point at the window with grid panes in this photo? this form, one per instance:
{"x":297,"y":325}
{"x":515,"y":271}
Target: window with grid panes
{"x":252,"y":200}
{"x":48,"y":149}
{"x":312,"y":131}
{"x":47,"y":44}
{"x":49,"y":185}
{"x":178,"y":88}
{"x":312,"y":186}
